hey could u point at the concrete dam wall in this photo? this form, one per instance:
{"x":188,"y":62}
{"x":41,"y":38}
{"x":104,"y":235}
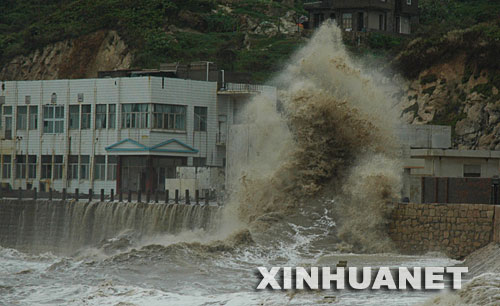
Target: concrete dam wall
{"x":66,"y":226}
{"x":455,"y":229}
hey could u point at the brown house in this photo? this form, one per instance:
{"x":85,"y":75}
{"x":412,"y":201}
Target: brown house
{"x":394,"y":16}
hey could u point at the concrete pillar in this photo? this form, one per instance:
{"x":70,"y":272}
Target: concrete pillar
{"x":496,"y":224}
{"x":118,"y":173}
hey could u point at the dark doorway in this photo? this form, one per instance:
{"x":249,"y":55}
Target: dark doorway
{"x":361,"y":21}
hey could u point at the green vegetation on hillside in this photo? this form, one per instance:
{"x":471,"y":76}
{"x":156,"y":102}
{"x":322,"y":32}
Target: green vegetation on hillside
{"x":202,"y":29}
{"x":189,"y":30}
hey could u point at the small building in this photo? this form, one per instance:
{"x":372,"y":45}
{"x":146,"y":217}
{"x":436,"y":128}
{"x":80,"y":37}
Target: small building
{"x":391,"y":16}
{"x":427,"y":154}
{"x":123,"y":133}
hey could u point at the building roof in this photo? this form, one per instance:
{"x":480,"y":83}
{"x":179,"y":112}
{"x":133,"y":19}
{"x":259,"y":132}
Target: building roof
{"x":128,"y":146}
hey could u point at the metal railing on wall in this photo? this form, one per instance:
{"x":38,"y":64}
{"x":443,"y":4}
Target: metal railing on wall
{"x":208,"y":198}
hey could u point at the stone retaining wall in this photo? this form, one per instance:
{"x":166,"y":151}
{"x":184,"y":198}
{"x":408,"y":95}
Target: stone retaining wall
{"x":455,"y":229}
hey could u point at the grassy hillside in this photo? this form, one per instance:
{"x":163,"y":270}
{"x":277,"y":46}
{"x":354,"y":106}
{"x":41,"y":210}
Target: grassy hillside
{"x":157,"y":30}
{"x":218,"y":30}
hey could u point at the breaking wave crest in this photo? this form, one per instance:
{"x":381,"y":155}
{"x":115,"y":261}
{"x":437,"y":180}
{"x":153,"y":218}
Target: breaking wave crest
{"x":331,"y":138}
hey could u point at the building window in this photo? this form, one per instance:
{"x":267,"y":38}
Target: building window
{"x":6,"y":170}
{"x":100,"y":168}
{"x":111,"y":116}
{"x":58,"y":167}
{"x":22,"y":117}
{"x":7,"y":111}
{"x":32,"y":166}
{"x":46,"y":166}
{"x":199,"y":161}
{"x":408,"y":2}
{"x":472,"y":170}
{"x":33,"y":122}
{"x":20,"y":166}
{"x":135,"y":116}
{"x":169,"y":117}
{"x":53,"y":119}
{"x":73,"y":167}
{"x":86,"y":117}
{"x":100,"y":116}
{"x":84,"y":167}
{"x":74,"y":117}
{"x":200,"y":118}
{"x":112,"y":161}
{"x":347,"y":21}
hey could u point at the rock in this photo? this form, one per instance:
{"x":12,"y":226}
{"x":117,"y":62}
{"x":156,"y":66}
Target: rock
{"x":475,"y":113}
{"x":74,"y":58}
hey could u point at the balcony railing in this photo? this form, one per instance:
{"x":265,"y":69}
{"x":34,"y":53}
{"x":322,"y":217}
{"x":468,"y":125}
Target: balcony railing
{"x":348,"y":4}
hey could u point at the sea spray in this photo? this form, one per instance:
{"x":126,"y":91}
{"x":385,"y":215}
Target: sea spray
{"x":330,"y":135}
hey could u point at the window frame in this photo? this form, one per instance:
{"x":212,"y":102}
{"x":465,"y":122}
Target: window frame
{"x":56,"y":120}
{"x":22,"y":118}
{"x":200,"y":120}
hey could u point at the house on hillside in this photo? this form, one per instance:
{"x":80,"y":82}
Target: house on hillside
{"x":392,"y":16}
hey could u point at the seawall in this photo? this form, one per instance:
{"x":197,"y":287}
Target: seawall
{"x":67,"y":226}
{"x":455,"y":229}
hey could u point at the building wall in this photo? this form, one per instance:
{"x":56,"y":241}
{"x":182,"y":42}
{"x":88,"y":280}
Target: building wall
{"x":455,"y":229}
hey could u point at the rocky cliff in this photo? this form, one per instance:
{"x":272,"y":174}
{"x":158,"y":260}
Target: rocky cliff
{"x":72,"y":58}
{"x":456,"y":83}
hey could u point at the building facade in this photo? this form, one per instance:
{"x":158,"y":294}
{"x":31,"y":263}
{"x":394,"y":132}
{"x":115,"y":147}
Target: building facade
{"x":393,"y":16}
{"x":428,"y":153}
{"x":128,"y":133}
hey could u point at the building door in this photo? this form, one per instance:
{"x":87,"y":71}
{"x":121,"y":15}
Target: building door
{"x":361,"y":21}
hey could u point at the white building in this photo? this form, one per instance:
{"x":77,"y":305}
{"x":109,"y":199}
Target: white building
{"x":113,"y":133}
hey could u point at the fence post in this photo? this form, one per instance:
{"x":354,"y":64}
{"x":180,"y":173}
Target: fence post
{"x":197,"y":196}
{"x":90,"y":194}
{"x":187,"y":196}
{"x":19,"y":193}
{"x":129,"y":195}
{"x":77,"y":194}
{"x":120,"y":196}
{"x":34,"y":194}
{"x":139,"y":194}
{"x":64,"y":194}
{"x":148,"y":196}
{"x":206,"y":197}
{"x":102,"y":195}
{"x":156,"y":196}
{"x":176,"y":196}
{"x":112,"y":195}
{"x":50,"y":194}
{"x":166,"y":196}
{"x":1,"y":191}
